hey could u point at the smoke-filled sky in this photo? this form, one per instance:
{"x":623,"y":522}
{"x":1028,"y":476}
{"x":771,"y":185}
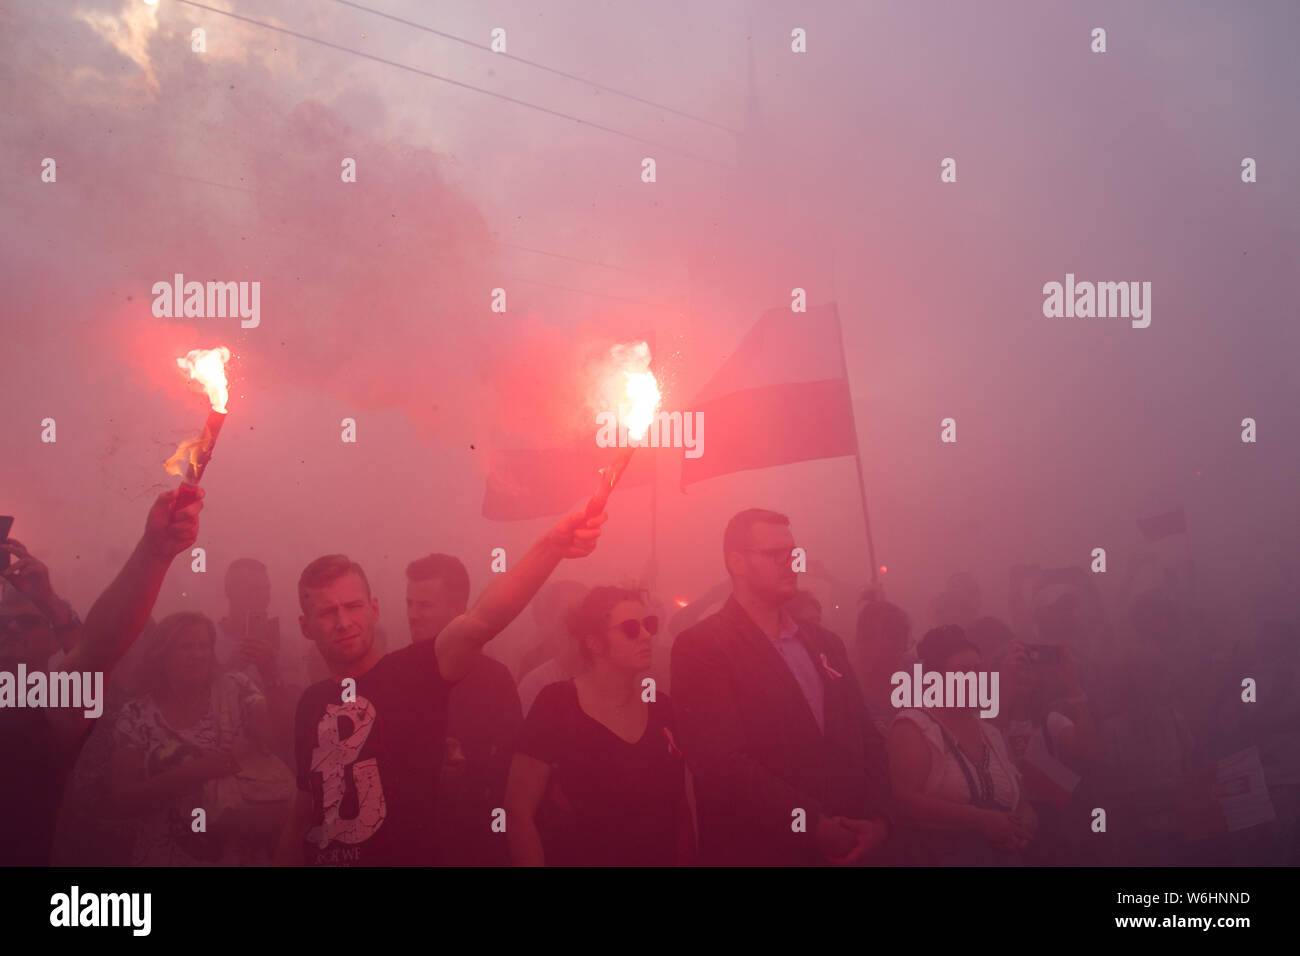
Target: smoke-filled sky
{"x":774,"y":170}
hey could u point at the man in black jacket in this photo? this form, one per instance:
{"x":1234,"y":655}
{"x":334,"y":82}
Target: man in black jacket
{"x":788,"y":769}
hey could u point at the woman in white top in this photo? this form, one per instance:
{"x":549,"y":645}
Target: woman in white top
{"x":957,"y":790}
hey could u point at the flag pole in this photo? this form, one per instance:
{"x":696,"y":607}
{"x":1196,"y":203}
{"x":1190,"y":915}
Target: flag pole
{"x":654,"y":521}
{"x":857,"y":446}
{"x":654,"y":493}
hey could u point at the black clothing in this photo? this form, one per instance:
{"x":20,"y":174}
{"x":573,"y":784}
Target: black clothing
{"x":754,"y":748}
{"x":372,"y":765}
{"x":609,"y":802}
{"x":483,"y":718}
{"x":36,"y":769}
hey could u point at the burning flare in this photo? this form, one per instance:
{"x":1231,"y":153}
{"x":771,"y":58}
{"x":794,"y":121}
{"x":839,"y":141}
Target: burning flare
{"x":636,"y":410}
{"x":642,"y":402}
{"x":185,"y":459}
{"x":639,"y":398}
{"x":208,"y":368}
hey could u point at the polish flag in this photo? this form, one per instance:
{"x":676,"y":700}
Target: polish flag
{"x":782,"y":396}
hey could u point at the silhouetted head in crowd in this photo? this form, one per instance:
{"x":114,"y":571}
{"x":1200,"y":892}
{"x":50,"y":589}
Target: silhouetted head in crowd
{"x":880,"y":642}
{"x":757,"y":547}
{"x":26,"y":636}
{"x":339,"y":614}
{"x":437,"y":592}
{"x":1030,"y":683}
{"x":805,"y":608}
{"x":180,"y":658}
{"x":612,"y":629}
{"x":960,"y":601}
{"x":248,"y":588}
{"x":991,"y":635}
{"x":1056,"y":620}
{"x":947,"y":649}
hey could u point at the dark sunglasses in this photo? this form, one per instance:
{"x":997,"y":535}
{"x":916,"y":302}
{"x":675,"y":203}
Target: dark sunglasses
{"x":775,"y":555}
{"x":632,"y":628}
{"x":22,"y":622}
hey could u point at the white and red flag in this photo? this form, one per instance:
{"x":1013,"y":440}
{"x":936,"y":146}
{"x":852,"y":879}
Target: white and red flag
{"x":782,"y":396}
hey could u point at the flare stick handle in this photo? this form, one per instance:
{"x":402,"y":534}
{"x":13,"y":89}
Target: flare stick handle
{"x":608,"y":479}
{"x":187,"y":491}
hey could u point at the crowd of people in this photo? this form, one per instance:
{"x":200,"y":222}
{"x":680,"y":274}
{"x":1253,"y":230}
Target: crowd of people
{"x":751,"y":735}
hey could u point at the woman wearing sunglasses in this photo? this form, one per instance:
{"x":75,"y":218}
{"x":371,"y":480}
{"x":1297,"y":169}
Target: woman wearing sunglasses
{"x":597,"y":779}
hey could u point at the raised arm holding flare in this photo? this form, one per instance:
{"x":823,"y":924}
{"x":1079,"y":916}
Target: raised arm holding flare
{"x":364,"y":740}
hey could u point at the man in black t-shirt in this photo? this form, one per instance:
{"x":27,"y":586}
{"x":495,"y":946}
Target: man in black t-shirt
{"x":368,"y":740}
{"x":483,"y":719}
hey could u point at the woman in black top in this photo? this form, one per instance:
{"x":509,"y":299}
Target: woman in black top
{"x":597,"y":779}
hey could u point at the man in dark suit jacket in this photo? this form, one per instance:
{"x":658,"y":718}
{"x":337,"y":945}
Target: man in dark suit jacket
{"x":787,"y":767}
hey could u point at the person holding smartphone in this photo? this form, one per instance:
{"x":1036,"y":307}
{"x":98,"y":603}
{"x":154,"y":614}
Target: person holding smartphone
{"x":249,"y":639}
{"x":248,"y":643}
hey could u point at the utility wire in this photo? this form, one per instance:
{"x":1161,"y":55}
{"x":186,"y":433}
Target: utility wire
{"x":539,"y":66}
{"x":466,"y":86}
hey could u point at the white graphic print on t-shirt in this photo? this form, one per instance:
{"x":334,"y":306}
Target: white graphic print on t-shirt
{"x":331,"y":759}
